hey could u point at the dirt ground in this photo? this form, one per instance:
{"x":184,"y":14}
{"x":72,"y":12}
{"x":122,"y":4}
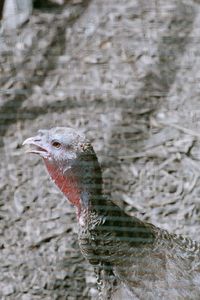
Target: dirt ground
{"x":127,"y":74}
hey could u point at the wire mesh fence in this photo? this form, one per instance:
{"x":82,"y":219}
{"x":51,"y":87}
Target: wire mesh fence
{"x":126,"y":73}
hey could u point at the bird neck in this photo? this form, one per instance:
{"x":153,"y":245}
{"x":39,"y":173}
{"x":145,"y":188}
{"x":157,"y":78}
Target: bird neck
{"x":81,"y":184}
{"x":67,"y":184}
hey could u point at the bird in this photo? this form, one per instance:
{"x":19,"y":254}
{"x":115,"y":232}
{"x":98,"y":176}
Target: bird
{"x":132,"y":259}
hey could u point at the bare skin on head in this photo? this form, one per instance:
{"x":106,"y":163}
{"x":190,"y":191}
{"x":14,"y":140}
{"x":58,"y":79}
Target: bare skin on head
{"x":132,"y":259}
{"x":63,"y":150}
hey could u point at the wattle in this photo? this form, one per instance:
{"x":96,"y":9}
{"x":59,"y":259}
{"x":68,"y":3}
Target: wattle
{"x":67,"y":184}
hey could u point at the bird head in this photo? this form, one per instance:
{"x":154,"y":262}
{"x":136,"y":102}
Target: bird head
{"x":71,"y":163}
{"x":59,"y":146}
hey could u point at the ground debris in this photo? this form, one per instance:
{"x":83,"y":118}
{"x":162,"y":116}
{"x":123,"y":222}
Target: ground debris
{"x":121,"y":72}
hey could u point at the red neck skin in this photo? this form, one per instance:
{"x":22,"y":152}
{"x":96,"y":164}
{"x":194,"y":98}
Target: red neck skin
{"x":67,"y":184}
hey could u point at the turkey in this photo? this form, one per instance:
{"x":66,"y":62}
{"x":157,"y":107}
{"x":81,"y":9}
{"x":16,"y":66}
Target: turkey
{"x":132,"y":259}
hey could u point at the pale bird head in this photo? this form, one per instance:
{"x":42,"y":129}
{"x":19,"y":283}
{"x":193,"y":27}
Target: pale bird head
{"x":59,"y":145}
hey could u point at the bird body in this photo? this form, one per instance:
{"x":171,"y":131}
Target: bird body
{"x":144,"y":267}
{"x":132,"y":259}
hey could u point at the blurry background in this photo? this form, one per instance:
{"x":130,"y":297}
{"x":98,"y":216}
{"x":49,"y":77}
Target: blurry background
{"x":128,"y":74}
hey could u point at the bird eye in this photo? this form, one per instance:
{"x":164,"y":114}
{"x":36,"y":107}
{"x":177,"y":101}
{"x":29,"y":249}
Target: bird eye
{"x":56,"y":144}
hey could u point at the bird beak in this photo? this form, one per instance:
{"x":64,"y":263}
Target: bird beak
{"x":35,"y":145}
